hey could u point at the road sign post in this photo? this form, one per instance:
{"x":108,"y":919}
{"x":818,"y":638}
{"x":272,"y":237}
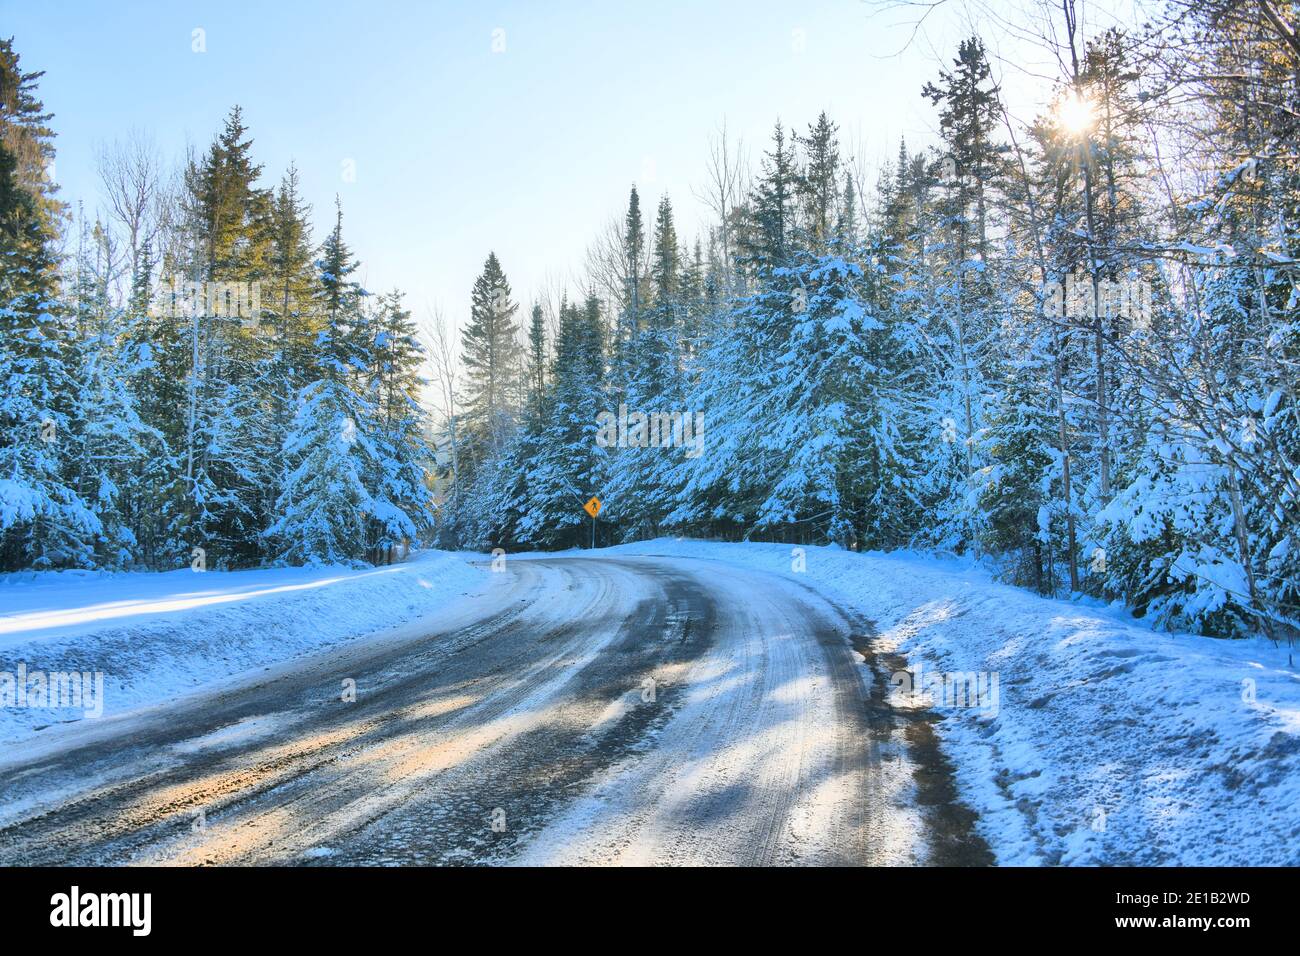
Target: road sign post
{"x":592,"y":508}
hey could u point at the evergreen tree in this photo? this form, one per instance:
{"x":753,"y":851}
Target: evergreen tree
{"x":818,"y":183}
{"x":44,"y":521}
{"x":402,"y":501}
{"x":536,"y":361}
{"x":628,"y":325}
{"x":324,"y":509}
{"x":26,"y":134}
{"x":490,"y":356}
{"x":286,"y":307}
{"x":769,"y":236}
{"x":567,"y":466}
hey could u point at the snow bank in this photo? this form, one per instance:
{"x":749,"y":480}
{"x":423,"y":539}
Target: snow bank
{"x":156,"y":635}
{"x":1110,"y":743}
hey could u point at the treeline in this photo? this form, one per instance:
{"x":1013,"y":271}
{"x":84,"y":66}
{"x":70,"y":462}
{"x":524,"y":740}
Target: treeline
{"x":192,"y":380}
{"x":1067,"y":344}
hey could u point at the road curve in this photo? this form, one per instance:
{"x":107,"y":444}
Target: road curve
{"x":582,"y":710}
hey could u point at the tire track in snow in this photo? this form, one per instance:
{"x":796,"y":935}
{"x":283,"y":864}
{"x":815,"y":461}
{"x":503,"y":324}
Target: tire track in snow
{"x":756,"y":748}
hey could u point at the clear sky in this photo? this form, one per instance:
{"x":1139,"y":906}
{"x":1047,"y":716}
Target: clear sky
{"x":458,"y":149}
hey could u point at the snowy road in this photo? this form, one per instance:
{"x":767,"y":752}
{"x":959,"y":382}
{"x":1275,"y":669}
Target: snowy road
{"x":580,"y":710}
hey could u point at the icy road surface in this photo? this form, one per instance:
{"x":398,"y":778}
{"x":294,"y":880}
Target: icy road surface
{"x":630,"y":710}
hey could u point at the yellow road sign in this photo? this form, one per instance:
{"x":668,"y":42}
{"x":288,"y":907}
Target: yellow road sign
{"x":592,"y":507}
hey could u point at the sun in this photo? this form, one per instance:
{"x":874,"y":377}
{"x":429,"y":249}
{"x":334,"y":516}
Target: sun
{"x":1075,"y":114}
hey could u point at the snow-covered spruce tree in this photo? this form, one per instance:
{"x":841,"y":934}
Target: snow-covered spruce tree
{"x":565,"y":465}
{"x":228,"y":463}
{"x":638,"y":493}
{"x":107,"y":436}
{"x":159,"y":347}
{"x":962,"y":308}
{"x":720,"y":490}
{"x":1016,"y":487}
{"x":288,"y":319}
{"x":490,"y":354}
{"x":827,"y":417}
{"x":632,"y":296}
{"x":701,"y":315}
{"x":797,"y":430}
{"x":898,"y":292}
{"x":325,"y":504}
{"x":402,"y":501}
{"x":504,"y":501}
{"x":44,"y":522}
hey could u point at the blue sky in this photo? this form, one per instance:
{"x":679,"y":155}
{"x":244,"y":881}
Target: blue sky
{"x":459,"y":149}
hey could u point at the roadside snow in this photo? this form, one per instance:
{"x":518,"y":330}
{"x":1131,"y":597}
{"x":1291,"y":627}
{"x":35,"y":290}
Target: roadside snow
{"x":1110,"y":743}
{"x":157,"y":635}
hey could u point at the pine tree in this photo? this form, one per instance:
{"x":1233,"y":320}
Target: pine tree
{"x":490,"y":356}
{"x":44,"y":522}
{"x":768,"y":239}
{"x":536,"y":361}
{"x":402,"y":500}
{"x":290,"y":283}
{"x":107,"y":436}
{"x":568,"y":466}
{"x":323,"y":512}
{"x":638,"y":492}
{"x":963,"y":307}
{"x":227,"y":445}
{"x":819,"y":182}
{"x":657,"y":343}
{"x":628,"y":325}
{"x":25,"y":132}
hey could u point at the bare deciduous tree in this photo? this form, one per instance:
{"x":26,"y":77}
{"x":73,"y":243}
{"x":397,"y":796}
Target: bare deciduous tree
{"x":136,"y":190}
{"x":727,"y":183}
{"x":442,"y":343}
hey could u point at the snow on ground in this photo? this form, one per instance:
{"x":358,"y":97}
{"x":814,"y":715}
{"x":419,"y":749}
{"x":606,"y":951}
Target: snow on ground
{"x":156,"y":635}
{"x":1096,"y":740}
{"x":1110,"y":743}
{"x":767,"y":758}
